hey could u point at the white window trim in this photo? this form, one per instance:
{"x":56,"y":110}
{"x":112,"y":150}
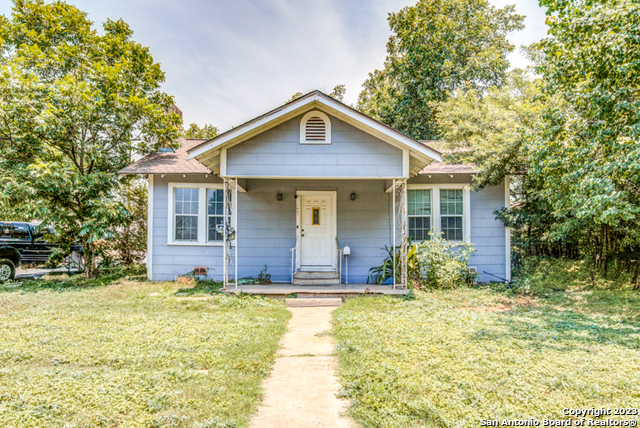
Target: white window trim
{"x":435,"y":205}
{"x":202,"y":214}
{"x":327,"y":128}
{"x":421,"y":216}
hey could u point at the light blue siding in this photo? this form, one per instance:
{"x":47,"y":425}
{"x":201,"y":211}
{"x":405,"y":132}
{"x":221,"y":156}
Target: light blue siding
{"x":171,"y":261}
{"x":267,"y":228}
{"x":278,"y":153}
{"x":488,"y":233}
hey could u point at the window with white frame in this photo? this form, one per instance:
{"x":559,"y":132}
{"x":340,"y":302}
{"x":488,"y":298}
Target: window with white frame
{"x":315,"y":128}
{"x":419,"y":214}
{"x":186,"y":214}
{"x":444,"y":208}
{"x":451,"y":214}
{"x":197,"y":211}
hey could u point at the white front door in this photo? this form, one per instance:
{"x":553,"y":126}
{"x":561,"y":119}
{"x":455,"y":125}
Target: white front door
{"x":317,"y":226}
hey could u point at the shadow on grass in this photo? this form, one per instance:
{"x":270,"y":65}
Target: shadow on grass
{"x":76,"y":282}
{"x":547,"y":328}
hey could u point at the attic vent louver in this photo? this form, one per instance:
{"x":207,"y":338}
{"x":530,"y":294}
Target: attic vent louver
{"x":315,"y":128}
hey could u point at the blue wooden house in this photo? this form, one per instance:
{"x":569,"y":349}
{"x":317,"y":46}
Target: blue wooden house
{"x":307,"y":189}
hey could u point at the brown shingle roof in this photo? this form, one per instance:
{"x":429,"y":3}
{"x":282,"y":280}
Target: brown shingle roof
{"x":443,"y":168}
{"x":169,"y":163}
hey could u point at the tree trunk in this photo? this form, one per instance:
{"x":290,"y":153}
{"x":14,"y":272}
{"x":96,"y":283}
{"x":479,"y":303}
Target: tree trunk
{"x":634,"y":281}
{"x":89,"y":259}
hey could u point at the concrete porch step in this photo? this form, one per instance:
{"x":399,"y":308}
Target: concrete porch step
{"x":316,"y":278}
{"x":307,"y":302}
{"x":303,"y":274}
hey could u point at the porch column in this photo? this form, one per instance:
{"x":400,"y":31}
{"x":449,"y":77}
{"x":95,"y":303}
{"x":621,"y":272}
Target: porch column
{"x":400,"y":232}
{"x":230,"y":239}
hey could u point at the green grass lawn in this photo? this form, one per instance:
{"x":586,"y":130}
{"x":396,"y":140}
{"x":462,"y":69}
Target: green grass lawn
{"x":452,"y":358}
{"x":132,"y":354}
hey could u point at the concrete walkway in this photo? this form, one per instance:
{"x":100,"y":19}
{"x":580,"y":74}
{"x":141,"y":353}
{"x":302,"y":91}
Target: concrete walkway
{"x":301,"y":390}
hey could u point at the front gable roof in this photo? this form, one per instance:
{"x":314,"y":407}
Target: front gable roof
{"x":210,"y":153}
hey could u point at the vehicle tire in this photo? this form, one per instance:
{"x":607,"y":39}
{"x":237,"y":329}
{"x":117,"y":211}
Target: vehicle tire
{"x":7,"y":270}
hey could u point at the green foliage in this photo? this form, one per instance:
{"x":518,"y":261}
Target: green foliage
{"x":295,"y":96}
{"x":437,"y":47}
{"x":435,"y":263}
{"x":445,"y":264}
{"x":264,"y":277}
{"x":586,"y":157}
{"x":126,"y":241}
{"x":134,"y":354}
{"x":452,"y":358}
{"x":578,"y":285}
{"x":378,"y":274}
{"x":338,"y":92}
{"x":75,"y":282}
{"x":492,"y":128}
{"x":74,"y":104}
{"x":56,"y":257}
{"x":208,"y":131}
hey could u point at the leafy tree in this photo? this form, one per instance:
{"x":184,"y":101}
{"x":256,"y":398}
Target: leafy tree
{"x":437,"y":47}
{"x":127,"y":239}
{"x":208,"y":131}
{"x":295,"y":96}
{"x":587,"y":154}
{"x":492,"y":128}
{"x":338,"y":92}
{"x":74,"y":104}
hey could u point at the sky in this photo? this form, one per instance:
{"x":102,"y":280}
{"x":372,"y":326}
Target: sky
{"x":227,"y":62}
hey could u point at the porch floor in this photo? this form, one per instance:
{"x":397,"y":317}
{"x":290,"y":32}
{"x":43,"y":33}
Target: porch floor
{"x":282,"y":290}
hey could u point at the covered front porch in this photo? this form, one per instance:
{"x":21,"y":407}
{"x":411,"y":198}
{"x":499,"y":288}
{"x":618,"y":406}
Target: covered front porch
{"x":313,"y":234}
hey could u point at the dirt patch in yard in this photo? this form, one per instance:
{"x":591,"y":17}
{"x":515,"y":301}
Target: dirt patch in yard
{"x":507,"y":305}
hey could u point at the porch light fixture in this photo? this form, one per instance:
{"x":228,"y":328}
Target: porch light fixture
{"x":353,"y":196}
{"x":279,"y":196}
